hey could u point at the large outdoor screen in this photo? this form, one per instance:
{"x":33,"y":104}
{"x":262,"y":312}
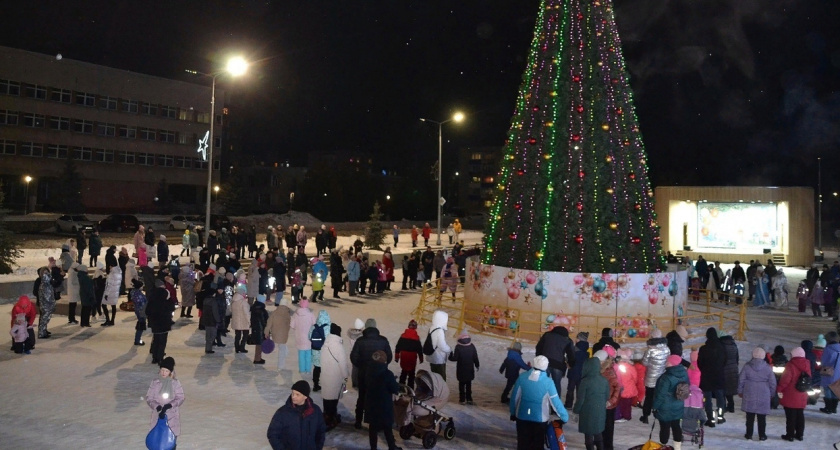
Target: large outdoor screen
{"x":737,"y":226}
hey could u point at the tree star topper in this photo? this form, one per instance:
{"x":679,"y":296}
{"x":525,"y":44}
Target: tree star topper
{"x":202,"y":145}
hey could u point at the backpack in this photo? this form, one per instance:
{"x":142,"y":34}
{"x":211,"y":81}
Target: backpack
{"x":428,"y":347}
{"x":683,"y":391}
{"x":803,"y":383}
{"x":318,"y":336}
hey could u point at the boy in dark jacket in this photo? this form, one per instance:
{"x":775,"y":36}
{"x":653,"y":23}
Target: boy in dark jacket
{"x":466,"y":357}
{"x":574,"y":375}
{"x":210,"y":318}
{"x":299,"y":423}
{"x":379,"y":405}
{"x":510,"y":367}
{"x":407,"y":351}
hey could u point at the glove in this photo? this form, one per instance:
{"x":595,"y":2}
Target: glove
{"x":158,"y":408}
{"x":513,"y":417}
{"x":166,"y":407}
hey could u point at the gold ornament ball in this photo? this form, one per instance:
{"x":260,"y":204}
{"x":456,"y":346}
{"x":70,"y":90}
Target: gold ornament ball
{"x":605,"y":127}
{"x":613,"y":226}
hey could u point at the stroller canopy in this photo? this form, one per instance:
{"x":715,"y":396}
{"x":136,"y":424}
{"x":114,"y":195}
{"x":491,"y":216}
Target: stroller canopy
{"x":431,"y":389}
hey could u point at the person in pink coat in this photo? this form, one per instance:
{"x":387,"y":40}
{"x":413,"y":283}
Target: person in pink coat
{"x":626,"y":374}
{"x":793,"y":400}
{"x":302,"y":322}
{"x":165,"y":396}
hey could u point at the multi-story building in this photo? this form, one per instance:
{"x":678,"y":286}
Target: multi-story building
{"x":478,"y":168}
{"x":126,"y":132}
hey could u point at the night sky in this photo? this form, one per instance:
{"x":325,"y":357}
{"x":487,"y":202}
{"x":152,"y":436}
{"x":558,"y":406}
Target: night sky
{"x":736,"y":92}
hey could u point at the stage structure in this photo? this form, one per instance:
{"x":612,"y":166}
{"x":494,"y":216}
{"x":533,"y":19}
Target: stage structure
{"x":573,"y":231}
{"x":729,"y":223}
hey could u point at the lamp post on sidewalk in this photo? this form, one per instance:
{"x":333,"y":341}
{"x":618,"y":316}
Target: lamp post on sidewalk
{"x":457,"y":117}
{"x":235,"y":67}
{"x":27,"y":179}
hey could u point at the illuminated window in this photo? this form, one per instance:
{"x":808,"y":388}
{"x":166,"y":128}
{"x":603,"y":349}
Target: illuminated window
{"x":203,"y":118}
{"x":475,"y":157}
{"x":185,"y":115}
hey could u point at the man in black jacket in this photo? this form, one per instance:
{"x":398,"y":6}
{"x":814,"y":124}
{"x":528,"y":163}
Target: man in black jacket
{"x":159,"y":313}
{"x":711,"y":360}
{"x":559,"y":349}
{"x":362,"y":355}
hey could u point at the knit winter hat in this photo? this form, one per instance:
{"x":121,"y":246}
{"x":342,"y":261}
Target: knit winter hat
{"x":163,"y":238}
{"x":758,"y":353}
{"x":673,"y":360}
{"x":464,"y":335}
{"x":412,"y":324}
{"x":335,"y":329}
{"x":820,"y":342}
{"x":797,"y":352}
{"x":168,"y":363}
{"x":602,"y":355}
{"x":261,"y":298}
{"x":655,"y":334}
{"x":638,"y":354}
{"x":358,"y":324}
{"x":304,"y":303}
{"x":516,"y":346}
{"x":136,"y":283}
{"x":540,"y":363}
{"x":370,"y":323}
{"x":301,"y":386}
{"x":610,"y":350}
{"x":583,"y":336}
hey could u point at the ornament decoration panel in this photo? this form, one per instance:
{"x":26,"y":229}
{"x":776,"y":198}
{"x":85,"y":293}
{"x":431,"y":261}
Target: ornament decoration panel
{"x":573,"y":193}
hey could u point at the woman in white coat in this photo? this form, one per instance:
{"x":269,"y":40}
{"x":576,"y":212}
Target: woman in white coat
{"x":240,"y":319}
{"x":437,"y":360}
{"x":112,"y":295}
{"x":302,"y":321}
{"x":73,"y":295}
{"x":131,"y":274}
{"x":334,"y":373}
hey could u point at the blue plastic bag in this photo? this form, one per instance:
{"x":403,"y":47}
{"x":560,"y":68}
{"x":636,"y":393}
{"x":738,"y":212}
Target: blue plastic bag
{"x":161,"y":436}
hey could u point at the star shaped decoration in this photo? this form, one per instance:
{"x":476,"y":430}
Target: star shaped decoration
{"x":202,"y":145}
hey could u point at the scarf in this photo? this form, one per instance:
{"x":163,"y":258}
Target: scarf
{"x":535,"y":375}
{"x":166,"y":388}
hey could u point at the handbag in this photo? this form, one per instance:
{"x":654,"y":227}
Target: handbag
{"x":835,"y":387}
{"x":827,"y":371}
{"x":161,"y":436}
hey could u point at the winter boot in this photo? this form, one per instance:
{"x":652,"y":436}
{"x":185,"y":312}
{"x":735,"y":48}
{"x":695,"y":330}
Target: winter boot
{"x":183,"y":311}
{"x":189,"y":312}
{"x":677,"y":445}
{"x":720,"y":418}
{"x":712,"y":420}
{"x":830,"y":406}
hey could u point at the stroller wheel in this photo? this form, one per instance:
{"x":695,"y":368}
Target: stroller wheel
{"x":406,"y":431}
{"x":449,"y":431}
{"x":429,"y":439}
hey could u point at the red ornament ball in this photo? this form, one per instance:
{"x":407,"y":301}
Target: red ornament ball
{"x":579,"y":239}
{"x":579,"y":109}
{"x":536,"y":108}
{"x":517,"y":206}
{"x":631,"y":175}
{"x":532,"y":141}
{"x":576,"y":78}
{"x":512,"y":236}
{"x":581,"y":174}
{"x":580,"y":16}
{"x":579,"y":206}
{"x":520,"y":172}
{"x":614,"y":80}
{"x":635,"y":240}
{"x":576,"y":137}
{"x":637,"y":206}
{"x":619,"y":111}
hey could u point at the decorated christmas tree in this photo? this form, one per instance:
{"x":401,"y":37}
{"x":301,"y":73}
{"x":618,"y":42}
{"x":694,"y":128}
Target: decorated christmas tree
{"x":573,"y":193}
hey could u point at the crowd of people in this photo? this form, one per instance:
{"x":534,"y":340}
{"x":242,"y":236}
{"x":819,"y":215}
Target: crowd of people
{"x":684,"y":392}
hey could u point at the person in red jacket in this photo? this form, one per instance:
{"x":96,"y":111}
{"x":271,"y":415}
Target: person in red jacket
{"x":793,"y":400}
{"x":641,"y":371}
{"x":407,"y":351}
{"x":25,"y":306}
{"x":427,"y":233}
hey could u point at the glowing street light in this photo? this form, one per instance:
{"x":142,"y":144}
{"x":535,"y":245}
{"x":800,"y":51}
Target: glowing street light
{"x":457,"y":117}
{"x":27,"y":179}
{"x":235,"y":67}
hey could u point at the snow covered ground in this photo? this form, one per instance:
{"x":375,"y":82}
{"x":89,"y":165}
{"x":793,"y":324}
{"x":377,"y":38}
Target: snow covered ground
{"x":84,"y":388}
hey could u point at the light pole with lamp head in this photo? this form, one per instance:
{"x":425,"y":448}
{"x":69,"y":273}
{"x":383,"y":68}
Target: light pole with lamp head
{"x":27,"y":179}
{"x":457,"y":117}
{"x":235,"y":67}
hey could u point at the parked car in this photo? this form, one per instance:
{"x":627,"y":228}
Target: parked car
{"x":217,"y":221}
{"x":181,"y":222}
{"x":73,"y":223}
{"x":119,"y":223}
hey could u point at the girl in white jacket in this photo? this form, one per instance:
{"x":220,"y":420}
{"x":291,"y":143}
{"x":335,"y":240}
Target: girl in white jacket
{"x":112,"y":295}
{"x":437,"y":360}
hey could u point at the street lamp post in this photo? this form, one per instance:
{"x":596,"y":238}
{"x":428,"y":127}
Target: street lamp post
{"x":235,"y":67}
{"x":457,"y":118}
{"x":27,"y":179}
{"x":216,"y":191}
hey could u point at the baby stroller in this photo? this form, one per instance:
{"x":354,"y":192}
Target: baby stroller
{"x":417,"y":411}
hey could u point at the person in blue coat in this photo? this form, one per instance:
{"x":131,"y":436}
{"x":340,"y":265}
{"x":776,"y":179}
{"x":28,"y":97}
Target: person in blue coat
{"x":511,"y":367}
{"x":532,"y":394}
{"x":299,"y":424}
{"x":830,"y":358}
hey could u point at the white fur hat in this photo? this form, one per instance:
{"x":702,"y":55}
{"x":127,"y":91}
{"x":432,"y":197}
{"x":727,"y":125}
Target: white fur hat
{"x":541,"y":363}
{"x":358,"y":324}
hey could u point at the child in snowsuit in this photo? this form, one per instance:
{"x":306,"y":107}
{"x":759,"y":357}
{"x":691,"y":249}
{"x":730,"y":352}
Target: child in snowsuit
{"x":407,"y":351}
{"x":511,"y":367}
{"x":574,"y":374}
{"x":641,"y":371}
{"x":20,"y":334}
{"x":466,"y":357}
{"x":627,"y":379}
{"x":297,"y":286}
{"x":693,"y":413}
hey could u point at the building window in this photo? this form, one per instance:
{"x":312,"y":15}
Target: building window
{"x":128,"y":132}
{"x":85,"y":99}
{"x":59,"y":123}
{"x":216,"y":164}
{"x":203,"y":118}
{"x":36,"y":91}
{"x":108,"y":103}
{"x":147,"y":134}
{"x":182,"y":162}
{"x":8,"y":117}
{"x":129,"y":106}
{"x":103,"y":156}
{"x":169,"y":112}
{"x":166,"y":161}
{"x":218,"y":119}
{"x":217,"y":142}
{"x":149,"y":109}
{"x":57,"y":151}
{"x":31,"y":149}
{"x":185,"y":115}
{"x":82,"y":153}
{"x":83,"y":126}
{"x":61,"y":95}
{"x":125,"y":157}
{"x":7,"y":147}
{"x":34,"y":120}
{"x":198,"y":163}
{"x":106,"y":129}
{"x":475,"y":157}
{"x":145,"y":159}
{"x":9,"y":87}
{"x":167,"y":136}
